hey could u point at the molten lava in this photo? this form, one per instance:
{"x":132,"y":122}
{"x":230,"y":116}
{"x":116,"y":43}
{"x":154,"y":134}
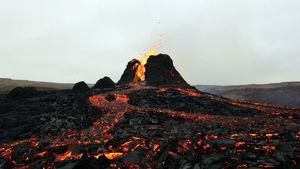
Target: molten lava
{"x":140,"y":73}
{"x":130,"y":136}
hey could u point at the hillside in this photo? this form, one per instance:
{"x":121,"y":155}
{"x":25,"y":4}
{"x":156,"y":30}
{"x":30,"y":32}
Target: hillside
{"x":8,"y":84}
{"x":286,"y":93}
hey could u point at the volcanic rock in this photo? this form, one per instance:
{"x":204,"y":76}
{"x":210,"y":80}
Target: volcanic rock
{"x":161,"y":71}
{"x":92,"y":163}
{"x":249,"y":156}
{"x":280,"y":157}
{"x":223,"y":142}
{"x":22,"y":92}
{"x":110,"y":97}
{"x":129,"y":73}
{"x":133,"y":157}
{"x":47,"y":113}
{"x":80,"y":87}
{"x":104,"y":83}
{"x":213,"y":159}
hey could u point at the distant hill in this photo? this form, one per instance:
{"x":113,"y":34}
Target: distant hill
{"x":285,"y":93}
{"x":7,"y":85}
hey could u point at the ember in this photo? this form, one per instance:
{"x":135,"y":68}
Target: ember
{"x":239,"y":144}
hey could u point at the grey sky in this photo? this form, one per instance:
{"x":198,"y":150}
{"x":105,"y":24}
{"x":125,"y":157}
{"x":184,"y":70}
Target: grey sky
{"x":210,"y":41}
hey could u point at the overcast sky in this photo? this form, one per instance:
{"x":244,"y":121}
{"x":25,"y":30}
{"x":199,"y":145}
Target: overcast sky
{"x":210,"y":41}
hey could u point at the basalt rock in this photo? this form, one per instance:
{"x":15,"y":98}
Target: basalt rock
{"x":22,"y":92}
{"x":160,"y":71}
{"x":129,"y":73}
{"x":80,"y":87}
{"x":104,"y":83}
{"x":91,"y":163}
{"x":47,"y":113}
{"x":110,"y":97}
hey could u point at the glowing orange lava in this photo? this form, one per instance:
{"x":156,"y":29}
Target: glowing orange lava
{"x":111,"y":156}
{"x":140,"y":73}
{"x":68,"y":156}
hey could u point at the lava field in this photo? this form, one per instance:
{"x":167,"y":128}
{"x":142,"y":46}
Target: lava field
{"x":146,"y":126}
{"x":149,"y":127}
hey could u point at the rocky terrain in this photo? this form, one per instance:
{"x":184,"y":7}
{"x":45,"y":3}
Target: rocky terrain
{"x":132,"y":124}
{"x":285,"y":94}
{"x":41,"y":114}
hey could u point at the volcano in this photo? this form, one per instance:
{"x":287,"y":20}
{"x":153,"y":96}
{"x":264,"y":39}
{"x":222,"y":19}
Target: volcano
{"x":158,"y":71}
{"x":152,"y":118}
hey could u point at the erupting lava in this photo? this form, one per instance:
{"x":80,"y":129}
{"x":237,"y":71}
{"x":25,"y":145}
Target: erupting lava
{"x":140,"y":73}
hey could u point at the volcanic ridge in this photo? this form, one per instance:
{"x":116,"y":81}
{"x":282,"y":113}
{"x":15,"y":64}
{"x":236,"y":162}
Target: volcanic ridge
{"x":150,"y":118}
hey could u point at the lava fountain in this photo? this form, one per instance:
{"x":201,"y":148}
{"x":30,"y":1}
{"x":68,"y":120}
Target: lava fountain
{"x":140,"y":73}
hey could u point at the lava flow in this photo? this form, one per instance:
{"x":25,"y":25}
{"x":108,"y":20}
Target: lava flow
{"x":144,"y":126}
{"x":124,"y":137}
